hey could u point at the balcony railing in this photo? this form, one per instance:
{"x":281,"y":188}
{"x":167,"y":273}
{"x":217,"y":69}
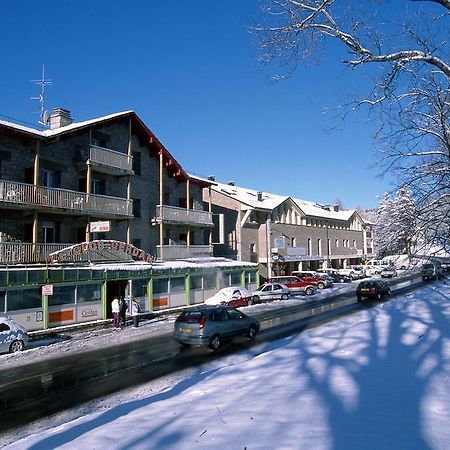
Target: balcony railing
{"x":110,"y":159}
{"x":172,"y":252}
{"x":173,"y":214}
{"x":13,"y":253}
{"x":22,"y":194}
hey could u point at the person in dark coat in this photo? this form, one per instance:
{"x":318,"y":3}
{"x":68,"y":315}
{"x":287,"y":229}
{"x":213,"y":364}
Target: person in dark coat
{"x":123,"y":312}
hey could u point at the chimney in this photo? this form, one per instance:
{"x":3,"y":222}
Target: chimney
{"x":259,"y":196}
{"x":336,"y":207}
{"x":231,"y":183}
{"x":211,"y":178}
{"x":60,"y":118}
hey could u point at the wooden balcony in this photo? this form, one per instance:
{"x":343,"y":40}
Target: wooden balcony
{"x":12,"y":253}
{"x":173,"y":252}
{"x":110,"y":161}
{"x":23,"y":253}
{"x":62,"y":200}
{"x":183,"y":216}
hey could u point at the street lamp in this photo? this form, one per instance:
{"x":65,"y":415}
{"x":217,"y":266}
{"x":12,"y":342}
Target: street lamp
{"x":328,"y":246}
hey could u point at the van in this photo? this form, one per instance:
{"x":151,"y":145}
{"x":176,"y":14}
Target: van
{"x":431,"y":271}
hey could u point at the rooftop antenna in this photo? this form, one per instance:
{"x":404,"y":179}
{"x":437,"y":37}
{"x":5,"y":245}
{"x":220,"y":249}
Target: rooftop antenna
{"x":43,"y":113}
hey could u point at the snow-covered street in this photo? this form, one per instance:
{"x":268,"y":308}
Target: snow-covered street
{"x":376,"y":379}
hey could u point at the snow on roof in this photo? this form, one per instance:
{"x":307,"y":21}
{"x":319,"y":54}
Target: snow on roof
{"x":271,"y":201}
{"x":318,"y":210}
{"x":56,"y":131}
{"x":250,"y":196}
{"x":75,"y":125}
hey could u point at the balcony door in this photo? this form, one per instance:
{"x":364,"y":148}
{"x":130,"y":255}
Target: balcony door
{"x":50,"y":232}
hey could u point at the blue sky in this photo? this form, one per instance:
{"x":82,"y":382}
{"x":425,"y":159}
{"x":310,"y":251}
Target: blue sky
{"x":190,"y":71}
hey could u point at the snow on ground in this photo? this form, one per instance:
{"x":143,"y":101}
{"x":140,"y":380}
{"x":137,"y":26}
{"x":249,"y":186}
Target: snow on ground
{"x":76,"y":341}
{"x":377,"y":379}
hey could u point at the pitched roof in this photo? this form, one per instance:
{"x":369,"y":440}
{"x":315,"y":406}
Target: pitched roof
{"x":170,"y":162}
{"x":249,"y":197}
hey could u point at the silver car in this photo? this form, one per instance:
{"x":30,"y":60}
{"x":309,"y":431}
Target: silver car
{"x":271,"y":291}
{"x":13,"y":337}
{"x":210,"y":326}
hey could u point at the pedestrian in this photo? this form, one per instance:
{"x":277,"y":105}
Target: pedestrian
{"x":123,"y":311}
{"x":115,"y":311}
{"x":135,"y":310}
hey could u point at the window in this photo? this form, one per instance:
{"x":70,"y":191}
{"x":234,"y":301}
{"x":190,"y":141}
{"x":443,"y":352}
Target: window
{"x":309,"y":247}
{"x":319,"y":247}
{"x":88,"y":293}
{"x":98,"y":187}
{"x":137,"y":163}
{"x":354,"y":243}
{"x":160,"y":285}
{"x":4,"y":327}
{"x":62,"y":295}
{"x":234,"y":314}
{"x":294,"y":242}
{"x":2,"y":302}
{"x":252,"y":247}
{"x":23,"y":299}
{"x":50,"y":232}
{"x":337,"y":243}
{"x":177,"y":284}
{"x":50,"y":178}
{"x":137,"y":207}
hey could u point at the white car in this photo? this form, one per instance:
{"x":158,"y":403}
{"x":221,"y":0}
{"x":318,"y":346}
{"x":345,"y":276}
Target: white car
{"x":349,"y":272}
{"x":13,"y":337}
{"x":271,"y":291}
{"x":232,"y":296}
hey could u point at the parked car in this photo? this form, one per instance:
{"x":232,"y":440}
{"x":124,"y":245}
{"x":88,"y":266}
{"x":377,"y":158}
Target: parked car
{"x":349,"y":272}
{"x":232,"y":296}
{"x":271,"y":291}
{"x":360,"y":271}
{"x":431,"y":271}
{"x":340,"y":278}
{"x":374,"y":288}
{"x":328,"y":279}
{"x":210,"y":326}
{"x":294,"y":284}
{"x":445,"y":266}
{"x":311,"y":277}
{"x":13,"y":337}
{"x":388,"y":272}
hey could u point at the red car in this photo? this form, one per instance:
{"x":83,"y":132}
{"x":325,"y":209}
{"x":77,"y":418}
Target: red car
{"x":312,"y":278}
{"x":295,"y":284}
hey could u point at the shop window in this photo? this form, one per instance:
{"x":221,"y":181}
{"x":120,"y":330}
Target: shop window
{"x":160,"y":285}
{"x":88,"y":293}
{"x":23,"y":299}
{"x":177,"y":284}
{"x":62,"y":295}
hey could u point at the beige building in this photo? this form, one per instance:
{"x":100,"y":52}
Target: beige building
{"x":282,"y":233}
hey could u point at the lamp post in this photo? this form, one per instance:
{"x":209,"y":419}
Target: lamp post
{"x":328,"y":246}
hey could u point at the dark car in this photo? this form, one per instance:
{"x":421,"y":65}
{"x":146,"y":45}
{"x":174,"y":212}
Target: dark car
{"x":431,"y":271}
{"x":340,"y":278}
{"x":374,"y":289}
{"x":210,"y":326}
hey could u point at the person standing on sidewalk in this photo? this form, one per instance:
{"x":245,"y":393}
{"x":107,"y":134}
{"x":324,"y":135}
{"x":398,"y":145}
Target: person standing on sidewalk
{"x":115,"y":309}
{"x":135,"y":310}
{"x":123,"y":306}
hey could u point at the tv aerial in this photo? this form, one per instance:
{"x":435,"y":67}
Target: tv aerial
{"x":43,"y":113}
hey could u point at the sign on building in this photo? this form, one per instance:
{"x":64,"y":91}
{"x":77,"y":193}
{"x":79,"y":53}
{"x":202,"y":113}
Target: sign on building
{"x":47,"y":289}
{"x":100,"y":227}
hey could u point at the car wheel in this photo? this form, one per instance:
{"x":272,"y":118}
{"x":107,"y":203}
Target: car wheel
{"x":256,"y":299}
{"x":388,"y":292}
{"x":284,"y":296}
{"x":16,"y":346}
{"x":250,"y":301}
{"x":309,"y":291}
{"x":251,"y":333}
{"x":215,"y":342}
{"x":320,"y":285}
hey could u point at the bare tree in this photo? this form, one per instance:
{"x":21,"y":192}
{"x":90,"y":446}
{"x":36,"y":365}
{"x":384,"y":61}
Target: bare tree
{"x":408,"y":60}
